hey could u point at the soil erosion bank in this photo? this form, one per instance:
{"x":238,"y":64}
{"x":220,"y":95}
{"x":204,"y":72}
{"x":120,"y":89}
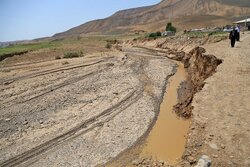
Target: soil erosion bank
{"x":199,"y":67}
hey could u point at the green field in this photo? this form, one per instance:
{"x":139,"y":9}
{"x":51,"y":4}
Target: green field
{"x":28,"y":47}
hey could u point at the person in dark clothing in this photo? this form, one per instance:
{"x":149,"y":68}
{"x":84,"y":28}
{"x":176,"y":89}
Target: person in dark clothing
{"x":233,"y":36}
{"x":238,"y":33}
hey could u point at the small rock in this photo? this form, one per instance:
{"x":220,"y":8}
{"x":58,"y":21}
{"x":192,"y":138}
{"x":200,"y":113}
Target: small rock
{"x":209,"y":138}
{"x":223,"y":146}
{"x":191,"y":159}
{"x":199,"y":144}
{"x":41,"y":121}
{"x":215,"y":156}
{"x":204,"y":161}
{"x":214,"y":146}
{"x":8,"y":82}
{"x":136,"y":163}
{"x":7,"y":119}
{"x":25,"y":122}
{"x":162,"y":162}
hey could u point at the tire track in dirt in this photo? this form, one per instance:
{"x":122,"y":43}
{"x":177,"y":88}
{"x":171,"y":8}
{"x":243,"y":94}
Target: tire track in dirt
{"x":76,"y":131}
{"x":46,"y":72}
{"x":55,"y":87}
{"x":136,"y":70}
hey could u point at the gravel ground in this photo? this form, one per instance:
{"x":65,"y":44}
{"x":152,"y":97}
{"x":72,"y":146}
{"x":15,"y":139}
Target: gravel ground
{"x":79,"y":112}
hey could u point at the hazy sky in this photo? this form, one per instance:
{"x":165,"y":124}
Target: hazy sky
{"x":28,"y":19}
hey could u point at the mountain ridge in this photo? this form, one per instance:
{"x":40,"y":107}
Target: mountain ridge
{"x":152,"y":17}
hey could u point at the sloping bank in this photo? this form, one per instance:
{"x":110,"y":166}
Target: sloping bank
{"x":199,"y":67}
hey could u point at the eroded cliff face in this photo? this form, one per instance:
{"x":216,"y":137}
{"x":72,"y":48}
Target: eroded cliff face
{"x":199,"y":66}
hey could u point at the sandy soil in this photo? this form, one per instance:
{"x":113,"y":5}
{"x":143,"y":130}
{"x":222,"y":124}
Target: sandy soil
{"x":221,"y":112}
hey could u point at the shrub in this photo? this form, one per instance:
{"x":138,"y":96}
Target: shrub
{"x":158,"y":33}
{"x":69,"y":55}
{"x":155,"y":34}
{"x":108,"y":46}
{"x":169,"y":27}
{"x":152,"y":35}
{"x":65,"y":62}
{"x":58,"y":57}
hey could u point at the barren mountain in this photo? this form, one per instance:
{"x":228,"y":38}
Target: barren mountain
{"x":184,"y":13}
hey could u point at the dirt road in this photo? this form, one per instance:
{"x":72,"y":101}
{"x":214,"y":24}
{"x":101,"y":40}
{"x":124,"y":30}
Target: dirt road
{"x":221,"y":112}
{"x":79,"y":112}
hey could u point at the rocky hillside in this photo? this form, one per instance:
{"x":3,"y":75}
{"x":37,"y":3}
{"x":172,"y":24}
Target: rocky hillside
{"x":184,"y":13}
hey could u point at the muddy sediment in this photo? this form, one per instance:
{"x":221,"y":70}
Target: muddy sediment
{"x":167,"y":139}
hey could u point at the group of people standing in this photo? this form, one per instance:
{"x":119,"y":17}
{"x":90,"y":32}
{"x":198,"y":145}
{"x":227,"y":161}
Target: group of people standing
{"x":234,"y":35}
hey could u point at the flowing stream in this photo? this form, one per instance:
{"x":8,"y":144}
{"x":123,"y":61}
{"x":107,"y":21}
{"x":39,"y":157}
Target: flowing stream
{"x":167,"y":139}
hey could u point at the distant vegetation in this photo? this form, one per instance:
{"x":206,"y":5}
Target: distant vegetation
{"x":169,"y":27}
{"x":110,"y":42}
{"x":27,"y":47}
{"x":155,"y":35}
{"x":24,"y":48}
{"x":108,"y":46}
{"x":58,"y":57}
{"x":69,"y":55}
{"x":204,"y":34}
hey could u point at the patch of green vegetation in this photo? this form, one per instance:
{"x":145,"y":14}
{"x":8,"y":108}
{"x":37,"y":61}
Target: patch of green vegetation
{"x":155,"y":35}
{"x":69,"y":55}
{"x":170,"y":27}
{"x":27,"y":47}
{"x":20,"y":49}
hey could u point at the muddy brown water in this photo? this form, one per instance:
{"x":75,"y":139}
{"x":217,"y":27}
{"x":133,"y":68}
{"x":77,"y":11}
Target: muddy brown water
{"x":166,"y":141}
